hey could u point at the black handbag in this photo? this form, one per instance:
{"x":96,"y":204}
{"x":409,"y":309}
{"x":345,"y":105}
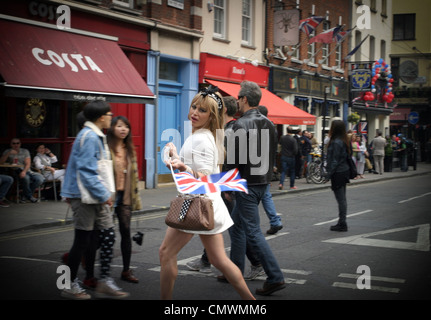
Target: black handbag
{"x":353,"y":172}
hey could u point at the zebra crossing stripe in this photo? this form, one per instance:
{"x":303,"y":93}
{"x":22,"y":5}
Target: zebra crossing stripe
{"x":373,"y":279}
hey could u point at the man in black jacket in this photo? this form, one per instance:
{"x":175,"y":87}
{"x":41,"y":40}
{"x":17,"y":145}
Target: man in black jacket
{"x":251,"y":146}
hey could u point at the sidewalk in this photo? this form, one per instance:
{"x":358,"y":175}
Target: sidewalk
{"x":49,"y":213}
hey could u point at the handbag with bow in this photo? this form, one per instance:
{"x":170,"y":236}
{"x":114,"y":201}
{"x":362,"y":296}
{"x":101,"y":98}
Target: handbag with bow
{"x":193,"y":212}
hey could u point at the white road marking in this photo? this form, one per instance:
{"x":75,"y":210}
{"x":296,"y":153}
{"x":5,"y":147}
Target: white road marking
{"x":56,"y":262}
{"x":414,"y":198}
{"x":374,"y":288}
{"x":349,"y":215}
{"x":214,"y":272}
{"x":373,"y":278}
{"x":422,"y":242}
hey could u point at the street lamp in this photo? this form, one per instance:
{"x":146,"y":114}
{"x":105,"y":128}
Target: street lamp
{"x":324,"y":110}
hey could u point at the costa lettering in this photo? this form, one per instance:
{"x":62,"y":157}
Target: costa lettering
{"x":74,"y":61}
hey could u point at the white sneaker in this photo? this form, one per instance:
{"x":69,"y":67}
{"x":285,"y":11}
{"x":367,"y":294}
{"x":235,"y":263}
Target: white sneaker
{"x":107,"y":289}
{"x":254,"y":273}
{"x":75,"y":292}
{"x":199,"y":265}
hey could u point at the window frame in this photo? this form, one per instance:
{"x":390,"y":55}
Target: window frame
{"x":130,"y":3}
{"x":247,"y":31}
{"x":403,"y":24}
{"x":222,"y":10}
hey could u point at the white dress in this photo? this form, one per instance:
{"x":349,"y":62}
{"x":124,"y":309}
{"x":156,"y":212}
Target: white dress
{"x":200,"y":153}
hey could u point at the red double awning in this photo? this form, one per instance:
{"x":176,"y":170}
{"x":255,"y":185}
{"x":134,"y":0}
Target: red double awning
{"x":43,"y":61}
{"x":279,"y":111}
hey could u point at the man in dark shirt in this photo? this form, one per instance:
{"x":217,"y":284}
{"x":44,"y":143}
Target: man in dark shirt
{"x":254,"y":138}
{"x":289,"y":150}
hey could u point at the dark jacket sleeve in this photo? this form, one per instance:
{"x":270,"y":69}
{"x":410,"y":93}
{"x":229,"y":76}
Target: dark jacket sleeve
{"x":336,"y":158}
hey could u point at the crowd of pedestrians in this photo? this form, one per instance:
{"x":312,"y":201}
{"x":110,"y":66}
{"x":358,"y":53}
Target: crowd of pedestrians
{"x":237,"y":212}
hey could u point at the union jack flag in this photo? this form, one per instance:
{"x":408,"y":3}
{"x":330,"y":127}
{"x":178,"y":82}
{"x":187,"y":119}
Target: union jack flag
{"x":362,"y":129}
{"x":308,"y":25}
{"x":225,"y":181}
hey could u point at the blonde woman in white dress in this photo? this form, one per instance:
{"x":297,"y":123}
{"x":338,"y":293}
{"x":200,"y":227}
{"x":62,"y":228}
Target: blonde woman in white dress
{"x":201,"y":156}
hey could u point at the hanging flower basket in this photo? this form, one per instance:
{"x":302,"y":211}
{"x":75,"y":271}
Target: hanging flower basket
{"x":354,"y":118}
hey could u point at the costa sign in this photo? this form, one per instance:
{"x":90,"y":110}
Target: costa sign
{"x":72,"y":60}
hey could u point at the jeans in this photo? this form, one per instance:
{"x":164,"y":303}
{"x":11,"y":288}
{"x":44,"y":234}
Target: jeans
{"x":268,"y":206}
{"x":246,"y":231}
{"x":340,"y":196}
{"x":30,"y":182}
{"x":5,"y":183}
{"x":404,"y":163}
{"x":288,"y":166}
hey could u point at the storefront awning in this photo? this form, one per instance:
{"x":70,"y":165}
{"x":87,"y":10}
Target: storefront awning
{"x":48,"y":63}
{"x":279,"y":111}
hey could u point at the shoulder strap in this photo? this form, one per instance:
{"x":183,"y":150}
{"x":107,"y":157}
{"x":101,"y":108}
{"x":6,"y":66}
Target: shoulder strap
{"x":102,"y":154}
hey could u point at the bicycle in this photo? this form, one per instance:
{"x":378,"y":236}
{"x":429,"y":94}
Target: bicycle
{"x":315,"y":168}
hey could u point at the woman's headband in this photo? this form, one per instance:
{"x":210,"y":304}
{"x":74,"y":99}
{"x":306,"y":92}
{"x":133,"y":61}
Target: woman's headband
{"x":211,"y":92}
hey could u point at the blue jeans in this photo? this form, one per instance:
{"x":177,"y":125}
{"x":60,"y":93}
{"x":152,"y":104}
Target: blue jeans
{"x":288,"y":165}
{"x":5,"y":183}
{"x":268,"y":206}
{"x":246,"y":231}
{"x":30,"y":182}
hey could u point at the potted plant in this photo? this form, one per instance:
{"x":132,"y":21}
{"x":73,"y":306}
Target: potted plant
{"x":354,"y":118}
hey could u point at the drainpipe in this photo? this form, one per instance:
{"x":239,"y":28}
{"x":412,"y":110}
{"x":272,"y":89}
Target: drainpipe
{"x":156,"y":120}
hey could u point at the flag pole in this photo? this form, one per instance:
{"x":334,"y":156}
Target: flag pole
{"x":341,"y":41}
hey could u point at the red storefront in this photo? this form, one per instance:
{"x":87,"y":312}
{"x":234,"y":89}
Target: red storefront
{"x":227,"y":74}
{"x":48,"y":75}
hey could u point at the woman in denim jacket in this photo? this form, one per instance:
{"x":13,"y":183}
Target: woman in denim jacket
{"x":91,"y":220}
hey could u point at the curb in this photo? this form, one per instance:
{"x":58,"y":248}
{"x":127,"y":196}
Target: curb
{"x":275,"y":193}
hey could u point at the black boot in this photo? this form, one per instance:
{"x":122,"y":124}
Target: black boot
{"x":342,"y":227}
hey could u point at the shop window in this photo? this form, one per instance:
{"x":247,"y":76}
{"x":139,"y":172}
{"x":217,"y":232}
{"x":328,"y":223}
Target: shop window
{"x":3,"y":116}
{"x":38,"y":118}
{"x":73,"y":108}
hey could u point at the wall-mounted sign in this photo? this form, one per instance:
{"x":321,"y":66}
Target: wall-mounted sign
{"x":286,"y":27}
{"x":35,"y":112}
{"x":360,"y":76}
{"x":179,"y":4}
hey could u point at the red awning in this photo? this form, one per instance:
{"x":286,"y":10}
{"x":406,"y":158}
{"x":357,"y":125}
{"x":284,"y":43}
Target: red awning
{"x":45,"y":62}
{"x":279,"y":111}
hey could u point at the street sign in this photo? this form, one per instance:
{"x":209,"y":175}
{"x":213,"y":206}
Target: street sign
{"x":413,"y":117}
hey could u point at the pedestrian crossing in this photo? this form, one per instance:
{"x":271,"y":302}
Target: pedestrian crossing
{"x":353,"y":283}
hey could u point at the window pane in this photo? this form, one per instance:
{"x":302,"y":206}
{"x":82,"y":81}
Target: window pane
{"x":219,"y":12}
{"x":246,"y":21}
{"x":409,"y":26}
{"x":73,"y":108}
{"x":38,"y":118}
{"x":168,"y":71}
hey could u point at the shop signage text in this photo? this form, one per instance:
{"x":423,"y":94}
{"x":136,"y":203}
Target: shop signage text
{"x":49,"y":12}
{"x":65,"y":58}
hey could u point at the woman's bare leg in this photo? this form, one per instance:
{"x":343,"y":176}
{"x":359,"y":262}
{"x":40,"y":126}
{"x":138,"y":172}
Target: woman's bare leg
{"x":214,"y":246}
{"x":173,"y":242}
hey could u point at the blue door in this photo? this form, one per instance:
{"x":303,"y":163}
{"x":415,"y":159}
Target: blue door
{"x":168,"y":126}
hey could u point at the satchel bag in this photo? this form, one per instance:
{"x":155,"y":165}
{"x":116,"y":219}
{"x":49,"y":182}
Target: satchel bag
{"x":353,"y":172}
{"x":191,"y":212}
{"x":105,"y":172}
